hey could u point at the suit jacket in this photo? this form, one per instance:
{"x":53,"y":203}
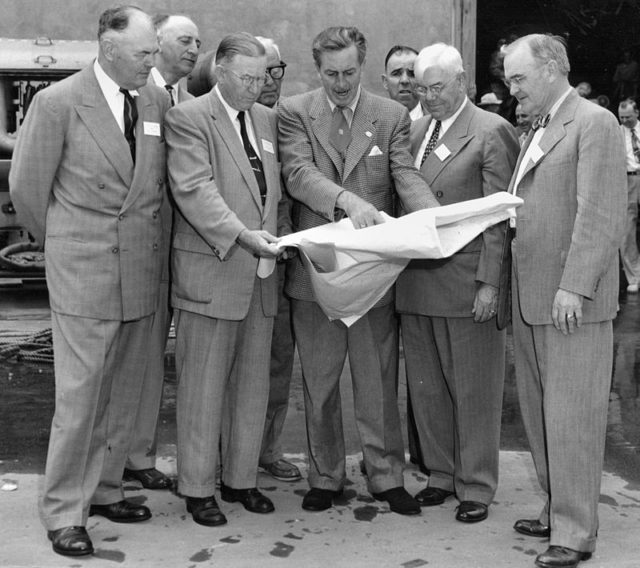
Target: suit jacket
{"x":483,"y":151}
{"x":217,"y":196}
{"x":377,"y":166}
{"x":76,"y":189}
{"x":571,"y":224}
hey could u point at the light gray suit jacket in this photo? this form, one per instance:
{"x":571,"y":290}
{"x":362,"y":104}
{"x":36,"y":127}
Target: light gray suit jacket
{"x":377,"y":167}
{"x":570,"y":226}
{"x":76,"y":189}
{"x":217,"y":196}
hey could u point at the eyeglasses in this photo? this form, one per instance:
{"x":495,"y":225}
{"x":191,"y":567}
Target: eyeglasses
{"x":517,"y":80}
{"x":249,"y":80}
{"x":277,"y":71}
{"x":435,"y":90}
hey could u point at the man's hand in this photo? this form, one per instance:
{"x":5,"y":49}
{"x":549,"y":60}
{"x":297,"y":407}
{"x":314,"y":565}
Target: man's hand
{"x":258,"y":243}
{"x":567,"y":311}
{"x":485,"y":303}
{"x":361,"y":212}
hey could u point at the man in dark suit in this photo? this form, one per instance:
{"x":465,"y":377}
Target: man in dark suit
{"x":346,"y":152}
{"x":88,"y":181}
{"x":225,"y":178}
{"x":571,"y":176}
{"x":178,"y":45}
{"x":454,"y":352}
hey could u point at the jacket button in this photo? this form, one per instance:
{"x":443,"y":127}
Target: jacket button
{"x":160,"y":181}
{"x":115,"y":250}
{"x":155,"y":246}
{"x":101,"y":186}
{"x":155,"y":215}
{"x":439,"y":194}
{"x":120,"y":217}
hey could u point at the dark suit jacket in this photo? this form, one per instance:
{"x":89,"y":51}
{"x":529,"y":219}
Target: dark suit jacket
{"x":377,"y":166}
{"x":483,"y":151}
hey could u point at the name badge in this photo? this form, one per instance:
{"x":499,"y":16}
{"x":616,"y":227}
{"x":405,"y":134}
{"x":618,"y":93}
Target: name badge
{"x":442,"y":152}
{"x":267,"y":146}
{"x":151,"y":128}
{"x":536,"y":153}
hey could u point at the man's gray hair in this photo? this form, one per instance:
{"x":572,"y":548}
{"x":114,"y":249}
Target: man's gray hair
{"x":544,"y":48}
{"x":438,"y":55}
{"x":267,"y":42}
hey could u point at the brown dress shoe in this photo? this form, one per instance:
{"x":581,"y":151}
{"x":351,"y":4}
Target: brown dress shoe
{"x":71,"y":541}
{"x":399,"y":501}
{"x":150,"y":478}
{"x":121,"y":512}
{"x":205,"y":511}
{"x":431,"y":496}
{"x":532,"y":527}
{"x":472,"y":512}
{"x":282,"y":469}
{"x":561,"y":557}
{"x":251,"y":499}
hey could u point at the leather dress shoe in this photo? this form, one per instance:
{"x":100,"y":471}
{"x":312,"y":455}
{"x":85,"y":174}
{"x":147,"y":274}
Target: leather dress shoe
{"x":251,"y":499}
{"x":399,"y":501}
{"x":431,"y":496}
{"x":150,"y":478}
{"x":561,"y":557}
{"x":121,"y":512}
{"x":472,"y":512}
{"x":318,"y":499}
{"x":282,"y":469}
{"x":532,"y":527}
{"x":71,"y":541}
{"x":205,"y":511}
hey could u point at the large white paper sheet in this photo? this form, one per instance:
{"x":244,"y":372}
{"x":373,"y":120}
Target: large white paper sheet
{"x":352,"y":269}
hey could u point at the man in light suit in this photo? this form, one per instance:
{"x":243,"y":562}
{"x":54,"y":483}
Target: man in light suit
{"x":454,"y":352}
{"x":571,"y":176}
{"x":225,"y":178}
{"x":346,"y":152}
{"x":178,"y":45}
{"x":88,"y":181}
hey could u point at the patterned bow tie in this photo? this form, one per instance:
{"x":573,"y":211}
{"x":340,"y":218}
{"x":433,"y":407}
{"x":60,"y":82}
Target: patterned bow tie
{"x":541,"y":122}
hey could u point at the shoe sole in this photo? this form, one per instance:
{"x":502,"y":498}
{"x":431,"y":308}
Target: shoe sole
{"x":473,"y":520}
{"x":531,"y":534}
{"x":279,"y":477}
{"x":123,"y":519}
{"x":64,"y":552}
{"x":228,"y":499}
{"x":583,"y":557}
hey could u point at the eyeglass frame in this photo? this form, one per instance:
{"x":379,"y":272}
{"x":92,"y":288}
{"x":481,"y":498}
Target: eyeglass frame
{"x":248,"y":80}
{"x":519,"y":79}
{"x":279,"y":66}
{"x":436,"y":90}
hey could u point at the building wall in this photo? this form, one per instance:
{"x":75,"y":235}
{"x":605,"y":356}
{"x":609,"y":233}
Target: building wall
{"x":292,"y":23}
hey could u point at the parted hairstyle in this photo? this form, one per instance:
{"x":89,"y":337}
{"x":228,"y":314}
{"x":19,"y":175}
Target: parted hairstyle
{"x":238,"y":43}
{"x":398,"y":49}
{"x":545,"y":48}
{"x":116,"y":19}
{"x":336,"y":39}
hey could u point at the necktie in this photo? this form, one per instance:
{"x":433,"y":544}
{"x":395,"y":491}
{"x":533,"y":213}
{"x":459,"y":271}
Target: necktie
{"x":130,"y":119}
{"x":170,"y":90}
{"x":254,"y":160}
{"x":635,"y":144}
{"x":339,"y":132}
{"x":541,"y":122}
{"x":432,"y":142}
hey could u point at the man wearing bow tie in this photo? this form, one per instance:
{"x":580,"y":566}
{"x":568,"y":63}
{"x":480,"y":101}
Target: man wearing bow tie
{"x":571,"y":176}
{"x":346,"y":152}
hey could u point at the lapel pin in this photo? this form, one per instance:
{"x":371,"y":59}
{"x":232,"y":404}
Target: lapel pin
{"x":368,"y":134}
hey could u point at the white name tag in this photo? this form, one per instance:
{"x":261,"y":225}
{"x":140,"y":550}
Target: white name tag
{"x":267,"y":146}
{"x":442,"y":152}
{"x":151,"y":128}
{"x":536,"y":153}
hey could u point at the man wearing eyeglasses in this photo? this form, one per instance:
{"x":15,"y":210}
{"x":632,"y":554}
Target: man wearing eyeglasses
{"x":397,"y":79}
{"x":224,"y":175}
{"x":345,"y":152}
{"x":454,"y":352}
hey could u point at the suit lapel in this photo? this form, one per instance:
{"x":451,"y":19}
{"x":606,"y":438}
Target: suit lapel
{"x":418,"y":130}
{"x":320,"y":114}
{"x":101,"y":124}
{"x":362,"y":132}
{"x":263,"y":132}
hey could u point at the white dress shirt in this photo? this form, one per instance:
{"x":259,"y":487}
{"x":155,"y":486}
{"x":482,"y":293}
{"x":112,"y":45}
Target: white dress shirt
{"x":632,"y":163}
{"x":158,"y":79}
{"x":111,"y":91}
{"x":233,"y":116}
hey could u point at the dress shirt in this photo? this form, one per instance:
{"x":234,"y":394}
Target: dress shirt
{"x":158,"y":79}
{"x":233,"y":116}
{"x":349,"y":110}
{"x":632,"y":163}
{"x":111,"y":91}
{"x":417,"y":112}
{"x":444,"y":126}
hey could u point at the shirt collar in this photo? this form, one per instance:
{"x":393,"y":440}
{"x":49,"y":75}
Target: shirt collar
{"x":447,"y":122}
{"x":232,"y":112}
{"x":159,"y":80}
{"x":557,"y":104}
{"x":109,"y":87}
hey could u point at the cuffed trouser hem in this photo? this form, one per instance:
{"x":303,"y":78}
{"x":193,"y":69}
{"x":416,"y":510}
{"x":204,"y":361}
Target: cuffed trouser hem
{"x":572,"y":541}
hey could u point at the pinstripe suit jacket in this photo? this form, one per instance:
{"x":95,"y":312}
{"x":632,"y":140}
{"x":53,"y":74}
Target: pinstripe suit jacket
{"x":483,"y":151}
{"x":570,"y":226}
{"x":217,"y":196}
{"x":73,"y":181}
{"x":315,"y":173}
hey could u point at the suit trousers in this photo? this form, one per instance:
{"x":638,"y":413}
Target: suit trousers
{"x":371,"y":344}
{"x":281,"y":368}
{"x":629,"y":248}
{"x":563,"y":387}
{"x":455,"y":374}
{"x":99,"y":366}
{"x":142,"y":452}
{"x":221,"y":363}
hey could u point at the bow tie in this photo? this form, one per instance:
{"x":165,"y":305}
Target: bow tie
{"x":541,"y":122}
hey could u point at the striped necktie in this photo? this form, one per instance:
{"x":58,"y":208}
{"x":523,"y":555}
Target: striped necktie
{"x":130,"y":120}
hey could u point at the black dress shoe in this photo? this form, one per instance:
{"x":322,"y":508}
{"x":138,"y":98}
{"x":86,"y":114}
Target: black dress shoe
{"x":472,"y":512}
{"x":561,"y":557}
{"x":431,"y":496}
{"x":532,"y":527}
{"x":205,"y":511}
{"x":251,"y":499}
{"x":150,"y":478}
{"x":121,"y":512}
{"x":71,"y":541}
{"x":318,"y":499}
{"x":399,"y":501}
